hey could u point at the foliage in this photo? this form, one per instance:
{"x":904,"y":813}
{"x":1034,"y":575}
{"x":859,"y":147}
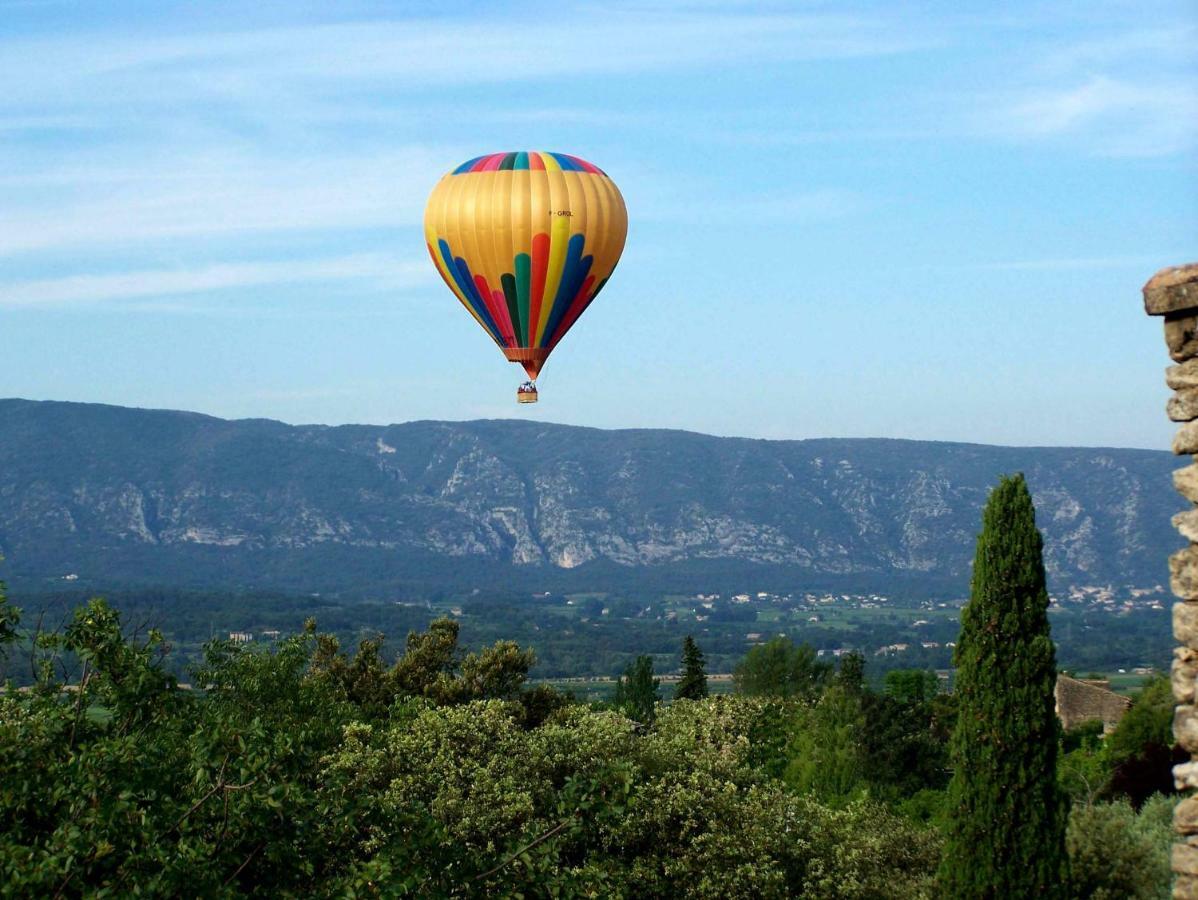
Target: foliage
{"x":1006,"y":814}
{"x":826,"y":759}
{"x":1149,"y":721}
{"x":295,"y":770}
{"x":910,"y":686}
{"x":1115,"y":854}
{"x":10,"y":617}
{"x":906,"y":743}
{"x":1084,"y":766}
{"x":780,"y":668}
{"x":1141,"y":749}
{"x":678,"y":811}
{"x":851,"y":673}
{"x":125,"y":780}
{"x":693,"y":683}
{"x":432,"y":666}
{"x":636,"y":693}
{"x":1134,"y":762}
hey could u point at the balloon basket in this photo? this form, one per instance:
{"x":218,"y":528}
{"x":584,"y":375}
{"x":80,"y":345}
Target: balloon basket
{"x":526,"y":395}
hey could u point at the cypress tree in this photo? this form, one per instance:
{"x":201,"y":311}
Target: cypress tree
{"x":1006,"y":832}
{"x":693,"y":683}
{"x":636,"y":692}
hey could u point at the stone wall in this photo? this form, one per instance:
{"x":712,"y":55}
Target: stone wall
{"x":1173,"y":293}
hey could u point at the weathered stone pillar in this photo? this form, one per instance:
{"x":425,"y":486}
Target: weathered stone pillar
{"x":1173,"y":293}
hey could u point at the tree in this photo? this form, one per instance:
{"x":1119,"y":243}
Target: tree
{"x":851,"y":674}
{"x":364,"y":680}
{"x":636,"y":692}
{"x":1007,"y":815}
{"x":428,"y":656}
{"x":911,"y":685}
{"x":495,"y":673}
{"x":779,"y":668}
{"x":906,"y":741}
{"x":693,"y":683}
{"x":1141,"y":749}
{"x":825,"y":750}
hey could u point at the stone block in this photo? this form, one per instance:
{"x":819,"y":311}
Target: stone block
{"x":1186,"y":439}
{"x":1185,"y":624}
{"x":1185,"y":726}
{"x":1187,"y":523}
{"x":1185,"y":859}
{"x":1185,"y":775}
{"x":1171,"y":290}
{"x":1183,"y":406}
{"x":1183,"y":573}
{"x":1186,"y":482}
{"x":1183,"y":376}
{"x":1184,"y":674}
{"x":1185,"y":816}
{"x":1185,"y":887}
{"x":1181,"y":336}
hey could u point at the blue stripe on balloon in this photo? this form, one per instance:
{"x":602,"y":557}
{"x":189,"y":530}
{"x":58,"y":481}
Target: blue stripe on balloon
{"x":567,"y":164}
{"x":574,"y":273}
{"x":464,"y":167}
{"x":479,"y":303}
{"x":461,"y":276}
{"x":521,"y":160}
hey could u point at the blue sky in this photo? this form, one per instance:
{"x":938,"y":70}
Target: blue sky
{"x":920,"y":220}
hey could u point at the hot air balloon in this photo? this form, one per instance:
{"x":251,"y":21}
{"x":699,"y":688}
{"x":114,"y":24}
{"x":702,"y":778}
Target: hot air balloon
{"x":526,"y":241}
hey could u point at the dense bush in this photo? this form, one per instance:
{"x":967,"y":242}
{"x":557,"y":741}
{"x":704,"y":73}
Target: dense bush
{"x":1115,"y":854}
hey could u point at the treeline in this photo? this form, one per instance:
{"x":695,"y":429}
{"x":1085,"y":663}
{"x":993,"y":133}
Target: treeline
{"x":1087,"y":640}
{"x":310,"y":769}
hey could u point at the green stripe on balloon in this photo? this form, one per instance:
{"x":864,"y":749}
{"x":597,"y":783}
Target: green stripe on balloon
{"x":513,"y":306}
{"x":523,"y":277}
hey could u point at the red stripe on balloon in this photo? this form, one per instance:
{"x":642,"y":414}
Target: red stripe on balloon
{"x":586,"y":166}
{"x":484,"y":291}
{"x":535,"y":161}
{"x":540,"y":265}
{"x":505,"y":322}
{"x":577,"y":305}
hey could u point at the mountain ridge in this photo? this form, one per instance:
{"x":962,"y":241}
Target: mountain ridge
{"x":532,"y":423}
{"x":125,"y":492}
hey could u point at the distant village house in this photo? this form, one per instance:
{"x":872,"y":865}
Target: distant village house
{"x":1081,"y":700}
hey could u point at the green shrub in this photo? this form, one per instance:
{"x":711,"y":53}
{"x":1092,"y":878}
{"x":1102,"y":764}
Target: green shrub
{"x":1115,"y":854}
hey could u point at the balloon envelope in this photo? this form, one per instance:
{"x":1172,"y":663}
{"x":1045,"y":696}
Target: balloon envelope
{"x":526,"y":241}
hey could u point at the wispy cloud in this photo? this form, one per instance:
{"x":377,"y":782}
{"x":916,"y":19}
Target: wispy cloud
{"x":1120,"y":118}
{"x":430,"y":52}
{"x":382,"y":271}
{"x":1166,"y":45}
{"x":1121,"y":92}
{"x":200,"y":134}
{"x":220,"y":194}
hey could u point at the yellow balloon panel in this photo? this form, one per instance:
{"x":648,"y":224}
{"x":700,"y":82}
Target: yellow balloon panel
{"x":526,"y":241}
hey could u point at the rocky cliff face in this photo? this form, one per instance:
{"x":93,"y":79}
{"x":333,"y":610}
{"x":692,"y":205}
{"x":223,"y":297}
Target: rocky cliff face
{"x":88,"y":482}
